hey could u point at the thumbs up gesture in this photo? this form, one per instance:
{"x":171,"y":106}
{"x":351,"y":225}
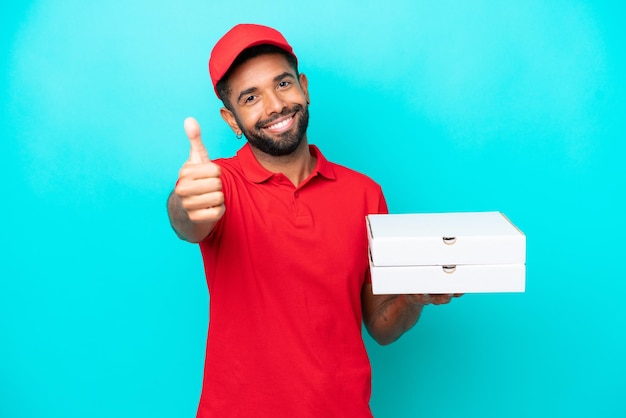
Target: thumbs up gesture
{"x":198,"y":153}
{"x":199,"y":189}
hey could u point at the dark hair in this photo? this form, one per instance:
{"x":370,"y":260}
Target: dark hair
{"x":222,"y":87}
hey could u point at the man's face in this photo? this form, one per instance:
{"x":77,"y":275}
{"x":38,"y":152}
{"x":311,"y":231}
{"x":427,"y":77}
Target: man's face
{"x":270,"y":104}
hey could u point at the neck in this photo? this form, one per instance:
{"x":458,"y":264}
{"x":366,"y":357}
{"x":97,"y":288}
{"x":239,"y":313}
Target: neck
{"x":296,"y":166}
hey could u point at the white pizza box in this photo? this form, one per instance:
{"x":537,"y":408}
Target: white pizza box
{"x":478,"y":278}
{"x":471,"y":252}
{"x":419,"y":239}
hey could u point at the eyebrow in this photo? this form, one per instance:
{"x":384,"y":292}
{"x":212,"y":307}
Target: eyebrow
{"x":284,"y":75}
{"x":276,"y":79}
{"x":246,"y":92}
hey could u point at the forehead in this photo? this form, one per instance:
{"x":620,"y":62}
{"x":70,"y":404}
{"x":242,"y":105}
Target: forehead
{"x":259,"y":70}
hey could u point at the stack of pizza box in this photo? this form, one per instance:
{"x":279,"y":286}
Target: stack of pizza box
{"x":468,"y":252}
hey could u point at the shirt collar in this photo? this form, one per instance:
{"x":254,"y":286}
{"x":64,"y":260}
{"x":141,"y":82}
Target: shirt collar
{"x":256,"y":173}
{"x":322,"y":167}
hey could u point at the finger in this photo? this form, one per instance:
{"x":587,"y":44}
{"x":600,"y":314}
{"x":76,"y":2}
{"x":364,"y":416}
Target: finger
{"x":197,"y":153}
{"x":439,"y":298}
{"x":212,"y":214}
{"x":213,"y":200}
{"x":199,"y":193}
{"x":191,"y":171}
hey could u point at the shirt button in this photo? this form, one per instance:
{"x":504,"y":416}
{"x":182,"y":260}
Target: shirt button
{"x":296,"y":194}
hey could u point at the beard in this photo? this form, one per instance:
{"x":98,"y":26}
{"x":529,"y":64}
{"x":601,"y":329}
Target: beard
{"x":281,"y":144}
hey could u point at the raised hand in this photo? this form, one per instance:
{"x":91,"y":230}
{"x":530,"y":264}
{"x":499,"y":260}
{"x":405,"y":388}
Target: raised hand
{"x":198,"y":189}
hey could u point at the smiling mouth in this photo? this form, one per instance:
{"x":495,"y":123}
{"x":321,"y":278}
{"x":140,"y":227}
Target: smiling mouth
{"x":282,"y":124}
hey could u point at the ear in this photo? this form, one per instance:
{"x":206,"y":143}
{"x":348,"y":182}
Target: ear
{"x":229,"y":118}
{"x":304,"y":85}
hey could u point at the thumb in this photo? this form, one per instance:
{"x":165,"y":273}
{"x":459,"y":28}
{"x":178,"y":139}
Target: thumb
{"x":197,"y":153}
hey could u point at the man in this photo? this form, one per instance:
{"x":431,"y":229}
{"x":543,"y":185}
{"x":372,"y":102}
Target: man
{"x":284,"y":244}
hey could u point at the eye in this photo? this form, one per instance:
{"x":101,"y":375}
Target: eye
{"x":284,"y":84}
{"x":249,"y":99}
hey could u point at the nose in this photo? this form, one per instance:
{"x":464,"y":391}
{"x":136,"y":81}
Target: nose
{"x":274,"y":103}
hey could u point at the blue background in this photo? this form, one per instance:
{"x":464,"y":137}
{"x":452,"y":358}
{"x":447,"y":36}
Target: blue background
{"x":451,"y":106}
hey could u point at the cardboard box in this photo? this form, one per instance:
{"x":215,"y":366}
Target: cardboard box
{"x":446,"y":253}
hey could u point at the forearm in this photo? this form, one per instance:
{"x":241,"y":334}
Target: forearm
{"x":184,"y":227}
{"x":392,"y":317}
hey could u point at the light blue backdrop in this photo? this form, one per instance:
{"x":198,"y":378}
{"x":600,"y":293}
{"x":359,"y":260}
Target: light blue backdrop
{"x":451,"y":106}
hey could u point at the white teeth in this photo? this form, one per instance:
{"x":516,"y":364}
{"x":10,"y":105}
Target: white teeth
{"x":280,"y":124}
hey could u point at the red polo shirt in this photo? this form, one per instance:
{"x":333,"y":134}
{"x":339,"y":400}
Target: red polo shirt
{"x":285,"y":267}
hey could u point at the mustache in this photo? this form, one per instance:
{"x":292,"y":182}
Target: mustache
{"x":285,"y":112}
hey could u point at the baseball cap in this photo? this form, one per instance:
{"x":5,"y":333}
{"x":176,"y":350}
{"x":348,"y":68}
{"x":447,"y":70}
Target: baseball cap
{"x":235,"y":41}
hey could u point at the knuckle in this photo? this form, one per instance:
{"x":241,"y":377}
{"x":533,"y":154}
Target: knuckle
{"x":181,"y":191}
{"x":194,"y":216}
{"x":184,"y":170}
